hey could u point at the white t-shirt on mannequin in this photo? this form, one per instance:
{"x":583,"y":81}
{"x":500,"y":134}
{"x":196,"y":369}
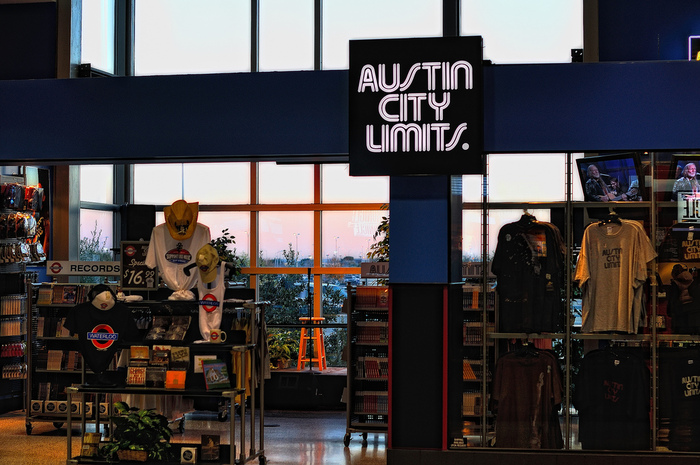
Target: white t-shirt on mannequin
{"x":171,"y":256}
{"x":211,"y":302}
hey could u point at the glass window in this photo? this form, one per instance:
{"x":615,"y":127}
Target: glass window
{"x":286,"y":238}
{"x":471,"y":229}
{"x":97,"y":47}
{"x":217,"y":183}
{"x":96,"y":240}
{"x":527,"y":177}
{"x":368,"y":19}
{"x":97,"y":183}
{"x":285,"y":183}
{"x":347,"y":236}
{"x":238,"y":225}
{"x":286,"y":35}
{"x":537,"y":31}
{"x":472,"y":187}
{"x":158,"y":184}
{"x":182,"y":36}
{"x":337,"y":186}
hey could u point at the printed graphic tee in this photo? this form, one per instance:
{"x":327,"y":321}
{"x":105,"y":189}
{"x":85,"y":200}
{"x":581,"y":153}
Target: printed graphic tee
{"x":612,"y":397}
{"x":101,"y":332}
{"x":611,"y":269}
{"x":211,"y":301}
{"x":172,"y":256}
{"x":529,"y":264}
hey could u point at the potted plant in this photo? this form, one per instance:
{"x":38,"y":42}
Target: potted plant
{"x":139,"y":435}
{"x":281,"y":344}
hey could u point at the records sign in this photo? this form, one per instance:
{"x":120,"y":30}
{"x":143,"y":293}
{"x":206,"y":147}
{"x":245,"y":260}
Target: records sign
{"x":135,"y":274}
{"x":416,"y":106}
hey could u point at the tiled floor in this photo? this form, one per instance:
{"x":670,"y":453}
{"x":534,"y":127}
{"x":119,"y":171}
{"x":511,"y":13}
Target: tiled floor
{"x":291,"y":438}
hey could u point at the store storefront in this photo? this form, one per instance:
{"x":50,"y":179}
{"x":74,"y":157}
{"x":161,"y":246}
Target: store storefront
{"x":644,"y":108}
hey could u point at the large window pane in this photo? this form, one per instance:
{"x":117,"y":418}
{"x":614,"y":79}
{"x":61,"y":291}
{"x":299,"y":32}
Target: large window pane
{"x":368,"y":19}
{"x":472,"y":233}
{"x":158,"y":184}
{"x":527,"y":177}
{"x":286,"y":239}
{"x":238,"y":225}
{"x":96,"y":240}
{"x":286,"y":35}
{"x":184,"y":36}
{"x":338,"y":186}
{"x":347,"y":236}
{"x":472,"y":188}
{"x":536,"y":31}
{"x":97,"y":183}
{"x":97,"y":46}
{"x":217,"y":183}
{"x":285,"y":183}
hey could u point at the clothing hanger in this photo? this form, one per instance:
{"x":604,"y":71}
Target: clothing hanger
{"x":528,"y":349}
{"x":611,"y":218}
{"x":527,"y":218}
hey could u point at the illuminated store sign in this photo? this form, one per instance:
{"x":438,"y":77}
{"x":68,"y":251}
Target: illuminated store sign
{"x":688,"y":207}
{"x":694,"y":48}
{"x":416,"y":106}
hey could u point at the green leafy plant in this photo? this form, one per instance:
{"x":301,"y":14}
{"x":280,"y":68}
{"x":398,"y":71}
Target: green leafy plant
{"x":379,"y":251}
{"x":221,"y":244}
{"x":281,"y":344}
{"x":139,"y":430}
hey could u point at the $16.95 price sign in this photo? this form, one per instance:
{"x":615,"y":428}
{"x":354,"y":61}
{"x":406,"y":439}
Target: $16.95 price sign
{"x":135,"y":274}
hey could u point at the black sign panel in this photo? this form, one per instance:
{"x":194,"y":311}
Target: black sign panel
{"x":416,"y":106}
{"x":135,"y":274}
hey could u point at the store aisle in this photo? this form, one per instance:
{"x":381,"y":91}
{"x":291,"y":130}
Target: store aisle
{"x":291,"y":438}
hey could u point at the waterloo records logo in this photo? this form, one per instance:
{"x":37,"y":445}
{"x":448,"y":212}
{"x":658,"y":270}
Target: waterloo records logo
{"x":130,"y":250}
{"x":102,"y":336}
{"x":178,"y":255}
{"x":209,"y":303}
{"x":56,"y":267}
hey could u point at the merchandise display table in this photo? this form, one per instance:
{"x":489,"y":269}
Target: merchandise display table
{"x":229,"y":394}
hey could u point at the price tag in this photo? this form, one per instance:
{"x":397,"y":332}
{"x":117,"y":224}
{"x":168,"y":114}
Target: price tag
{"x":135,"y":274}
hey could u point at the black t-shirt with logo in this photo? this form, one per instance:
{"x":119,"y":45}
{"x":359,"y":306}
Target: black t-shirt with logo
{"x":100,"y":332}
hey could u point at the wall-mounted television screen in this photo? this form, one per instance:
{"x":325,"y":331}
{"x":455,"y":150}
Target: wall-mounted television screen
{"x":612,"y":178}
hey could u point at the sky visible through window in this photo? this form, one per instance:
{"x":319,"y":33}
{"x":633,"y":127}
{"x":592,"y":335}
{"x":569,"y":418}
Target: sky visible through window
{"x":211,"y":36}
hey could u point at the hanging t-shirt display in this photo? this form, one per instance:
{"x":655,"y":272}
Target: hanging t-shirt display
{"x":681,"y":243}
{"x":612,"y":398}
{"x":173,"y":246}
{"x":611,"y":270}
{"x":527,"y":391}
{"x":101,"y":331}
{"x":679,"y":396}
{"x":529,"y":265}
{"x":211,"y":288}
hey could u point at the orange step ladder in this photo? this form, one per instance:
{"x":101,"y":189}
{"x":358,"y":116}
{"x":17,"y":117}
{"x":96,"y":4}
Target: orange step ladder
{"x":315,"y":335}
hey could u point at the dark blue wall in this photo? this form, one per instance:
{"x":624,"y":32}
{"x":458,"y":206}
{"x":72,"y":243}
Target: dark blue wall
{"x":646,"y":29}
{"x":527,"y":108}
{"x":28,"y":41}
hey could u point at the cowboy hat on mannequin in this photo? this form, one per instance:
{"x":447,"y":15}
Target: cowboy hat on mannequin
{"x":173,"y":247}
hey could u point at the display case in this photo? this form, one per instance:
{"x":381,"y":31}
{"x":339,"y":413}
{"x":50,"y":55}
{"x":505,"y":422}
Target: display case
{"x":14,"y":302}
{"x":241,"y":358}
{"x":479,"y":353}
{"x":619,"y":363}
{"x":367,"y":394}
{"x":19,"y":247}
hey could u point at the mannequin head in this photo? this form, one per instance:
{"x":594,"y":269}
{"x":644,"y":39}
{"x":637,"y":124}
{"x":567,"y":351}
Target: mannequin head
{"x":207,"y":260}
{"x":181,"y":219}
